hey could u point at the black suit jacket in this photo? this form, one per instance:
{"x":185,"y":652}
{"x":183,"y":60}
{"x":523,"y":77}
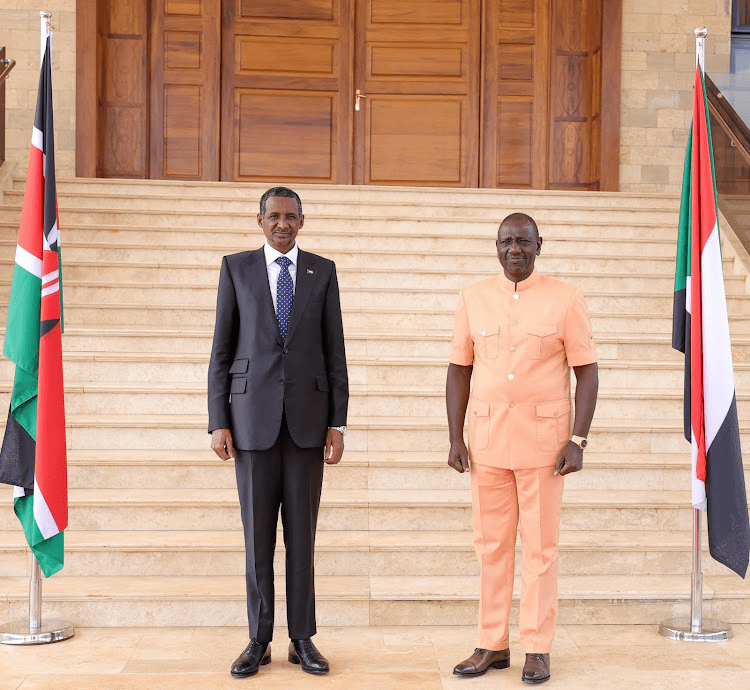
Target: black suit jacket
{"x":254,"y":375}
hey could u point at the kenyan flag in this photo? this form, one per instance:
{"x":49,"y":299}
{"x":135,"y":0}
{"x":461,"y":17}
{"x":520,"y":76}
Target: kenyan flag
{"x":701,"y":330}
{"x":33,"y":458}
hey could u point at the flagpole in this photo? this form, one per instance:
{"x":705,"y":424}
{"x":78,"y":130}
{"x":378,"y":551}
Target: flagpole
{"x":696,"y":628}
{"x":32,"y":631}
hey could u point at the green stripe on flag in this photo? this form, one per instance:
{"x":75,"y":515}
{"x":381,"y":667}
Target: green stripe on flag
{"x":49,"y":552}
{"x":22,"y":330}
{"x":682,"y":267}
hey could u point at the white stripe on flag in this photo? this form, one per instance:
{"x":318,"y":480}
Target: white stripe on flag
{"x":689,"y":296}
{"x":37,"y":138}
{"x":50,"y":289}
{"x":698,"y":487}
{"x":50,"y":276}
{"x":28,"y":261}
{"x":718,"y":375}
{"x":53,"y":236}
{"x":42,"y":515}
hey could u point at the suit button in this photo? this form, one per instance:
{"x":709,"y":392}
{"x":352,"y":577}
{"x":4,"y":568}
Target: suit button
{"x":285,"y":351}
{"x":281,"y":380}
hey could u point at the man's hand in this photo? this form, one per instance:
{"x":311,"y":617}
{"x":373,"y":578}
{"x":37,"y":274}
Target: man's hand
{"x":570,"y":459}
{"x":458,"y":456}
{"x":334,"y":447}
{"x":221,"y":443}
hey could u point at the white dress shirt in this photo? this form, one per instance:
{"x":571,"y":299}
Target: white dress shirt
{"x":274,"y":269}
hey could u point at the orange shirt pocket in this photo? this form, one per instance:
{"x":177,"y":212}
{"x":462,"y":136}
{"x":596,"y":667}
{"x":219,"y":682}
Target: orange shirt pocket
{"x":552,"y":425}
{"x":542,"y":341}
{"x":487,"y":342}
{"x":479,"y":424}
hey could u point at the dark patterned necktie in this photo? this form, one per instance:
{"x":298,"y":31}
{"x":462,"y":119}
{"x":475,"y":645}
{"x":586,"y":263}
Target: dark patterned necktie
{"x":284,"y":294}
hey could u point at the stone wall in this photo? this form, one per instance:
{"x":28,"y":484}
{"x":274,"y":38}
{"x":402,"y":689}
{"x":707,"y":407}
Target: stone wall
{"x":19,"y":33}
{"x":658,"y":70}
{"x":657,"y":76}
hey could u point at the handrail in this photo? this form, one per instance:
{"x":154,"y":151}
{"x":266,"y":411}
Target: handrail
{"x":9,"y":65}
{"x":731,"y":146}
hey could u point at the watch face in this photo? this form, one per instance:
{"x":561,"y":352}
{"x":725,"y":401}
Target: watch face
{"x":584,"y":443}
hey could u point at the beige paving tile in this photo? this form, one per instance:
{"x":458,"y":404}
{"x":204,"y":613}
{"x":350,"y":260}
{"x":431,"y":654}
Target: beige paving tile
{"x":217,"y":681}
{"x":616,"y":635}
{"x":11,"y":682}
{"x":676,"y":657}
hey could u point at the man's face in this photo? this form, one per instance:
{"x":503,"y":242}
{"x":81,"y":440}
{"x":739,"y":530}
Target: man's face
{"x":517,"y":249}
{"x":281,"y":222}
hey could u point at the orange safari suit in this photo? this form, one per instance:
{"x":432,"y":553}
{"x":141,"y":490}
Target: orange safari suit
{"x":522,"y":340}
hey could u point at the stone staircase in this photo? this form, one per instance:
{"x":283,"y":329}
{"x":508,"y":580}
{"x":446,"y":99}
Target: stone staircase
{"x":155,"y":535}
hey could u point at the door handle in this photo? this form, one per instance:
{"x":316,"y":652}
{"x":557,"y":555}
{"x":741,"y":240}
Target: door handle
{"x":357,"y":95}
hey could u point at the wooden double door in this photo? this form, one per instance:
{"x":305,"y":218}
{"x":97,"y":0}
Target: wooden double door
{"x":465,"y":93}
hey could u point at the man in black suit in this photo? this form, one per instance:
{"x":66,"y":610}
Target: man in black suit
{"x":277,"y":400}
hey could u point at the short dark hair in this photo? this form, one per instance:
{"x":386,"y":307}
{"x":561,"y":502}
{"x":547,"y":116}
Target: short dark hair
{"x":279,"y":191}
{"x":521,"y":218}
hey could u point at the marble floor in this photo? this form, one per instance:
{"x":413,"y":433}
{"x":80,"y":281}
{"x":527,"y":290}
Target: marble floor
{"x":584,"y":656}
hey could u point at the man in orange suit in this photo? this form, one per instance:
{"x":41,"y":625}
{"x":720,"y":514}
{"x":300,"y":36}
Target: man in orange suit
{"x":518,"y":334}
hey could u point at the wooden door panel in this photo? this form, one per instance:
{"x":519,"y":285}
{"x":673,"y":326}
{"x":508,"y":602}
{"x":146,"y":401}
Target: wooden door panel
{"x":417,"y":62}
{"x":514,"y":113}
{"x":122,"y":89}
{"x":286,"y":91}
{"x":414,"y":140}
{"x":185,"y":90}
{"x":296,"y":147}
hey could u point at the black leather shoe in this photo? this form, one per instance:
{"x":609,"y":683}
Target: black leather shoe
{"x":304,"y":652}
{"x":256,"y":654}
{"x":536,"y":668}
{"x":481,"y":661}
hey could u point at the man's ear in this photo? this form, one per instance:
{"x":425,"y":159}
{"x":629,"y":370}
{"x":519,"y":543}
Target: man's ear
{"x":260,"y":220}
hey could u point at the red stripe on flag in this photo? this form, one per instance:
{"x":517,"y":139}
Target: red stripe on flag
{"x":703,"y":224}
{"x":32,"y":213}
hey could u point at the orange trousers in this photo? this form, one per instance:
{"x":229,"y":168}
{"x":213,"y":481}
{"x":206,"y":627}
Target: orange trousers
{"x":499,"y":498}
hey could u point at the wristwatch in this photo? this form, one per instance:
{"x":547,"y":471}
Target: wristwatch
{"x":342,"y":429}
{"x":580,"y":441}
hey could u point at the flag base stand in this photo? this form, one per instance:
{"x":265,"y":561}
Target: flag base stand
{"x":18,"y":632}
{"x":682,"y":629}
{"x":695,"y":628}
{"x":32,"y":631}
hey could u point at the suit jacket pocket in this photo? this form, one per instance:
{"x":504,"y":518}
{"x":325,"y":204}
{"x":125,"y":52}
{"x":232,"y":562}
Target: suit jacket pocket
{"x":487,"y":342}
{"x":552,"y":425}
{"x":321,"y":383}
{"x":239,"y":366}
{"x":479,"y":424}
{"x":239,"y":385}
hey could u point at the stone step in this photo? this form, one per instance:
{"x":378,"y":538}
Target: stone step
{"x":352,"y":553}
{"x":630,"y":262}
{"x":362,"y":509}
{"x":320,"y":239}
{"x":189,"y":368}
{"x":127,"y":398}
{"x":430,"y":197}
{"x":431,"y":232}
{"x":170,"y":469}
{"x":170,"y":275}
{"x":364,"y":297}
{"x":396,"y":344}
{"x":372,"y":600}
{"x":359,"y":319}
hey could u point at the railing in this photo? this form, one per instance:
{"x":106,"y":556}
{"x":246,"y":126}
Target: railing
{"x":7,"y":66}
{"x":729,"y":111}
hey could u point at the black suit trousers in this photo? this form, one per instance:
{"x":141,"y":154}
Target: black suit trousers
{"x":288,"y":477}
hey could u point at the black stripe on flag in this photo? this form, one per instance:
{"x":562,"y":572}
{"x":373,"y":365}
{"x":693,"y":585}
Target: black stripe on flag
{"x":728,"y":523}
{"x":17,"y":456}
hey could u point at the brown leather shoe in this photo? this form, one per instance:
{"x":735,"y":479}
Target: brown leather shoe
{"x":536,"y":668}
{"x":482,"y":660}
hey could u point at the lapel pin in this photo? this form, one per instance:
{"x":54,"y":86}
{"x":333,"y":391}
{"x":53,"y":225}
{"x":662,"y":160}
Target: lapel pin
{"x":310,"y":271}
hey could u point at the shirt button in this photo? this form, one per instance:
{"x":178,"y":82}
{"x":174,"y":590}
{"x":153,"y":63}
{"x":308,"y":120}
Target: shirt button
{"x":513,"y":349}
{"x":515,"y":323}
{"x":515,"y":296}
{"x":512,"y":404}
{"x":556,"y":413}
{"x":484,"y":332}
{"x":510,"y":377}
